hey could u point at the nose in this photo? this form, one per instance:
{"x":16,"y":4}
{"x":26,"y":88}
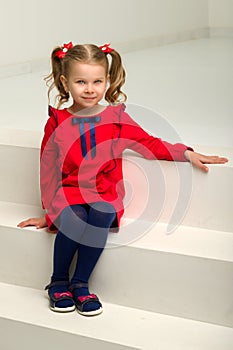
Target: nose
{"x":89,"y":87}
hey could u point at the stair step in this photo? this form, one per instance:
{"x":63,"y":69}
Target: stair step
{"x":185,"y":240}
{"x":178,"y":271}
{"x":155,"y":190}
{"x":24,"y":313}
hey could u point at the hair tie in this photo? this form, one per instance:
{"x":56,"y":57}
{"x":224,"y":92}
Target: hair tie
{"x":66,"y":47}
{"x":106,"y":48}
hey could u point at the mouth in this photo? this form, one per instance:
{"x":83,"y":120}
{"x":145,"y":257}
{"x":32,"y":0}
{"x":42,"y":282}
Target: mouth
{"x":89,"y":98}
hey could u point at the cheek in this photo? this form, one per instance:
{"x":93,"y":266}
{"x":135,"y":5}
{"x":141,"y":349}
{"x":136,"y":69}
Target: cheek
{"x":76,"y":90}
{"x":104,"y":88}
{"x":102,"y":92}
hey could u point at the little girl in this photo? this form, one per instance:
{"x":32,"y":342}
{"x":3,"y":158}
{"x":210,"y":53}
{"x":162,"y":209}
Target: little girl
{"x":81,"y":181}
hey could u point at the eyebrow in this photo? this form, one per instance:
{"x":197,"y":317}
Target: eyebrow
{"x":83,"y":78}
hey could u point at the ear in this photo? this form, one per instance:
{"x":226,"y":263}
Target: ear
{"x":64,"y":83}
{"x":108,"y":80}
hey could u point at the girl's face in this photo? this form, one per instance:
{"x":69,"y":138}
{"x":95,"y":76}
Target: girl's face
{"x":86,"y":84}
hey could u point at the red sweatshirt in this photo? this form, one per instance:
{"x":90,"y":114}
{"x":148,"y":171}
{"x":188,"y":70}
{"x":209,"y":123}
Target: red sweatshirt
{"x":81,"y":158}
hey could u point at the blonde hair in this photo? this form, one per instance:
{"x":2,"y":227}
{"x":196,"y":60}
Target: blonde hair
{"x":88,"y":53}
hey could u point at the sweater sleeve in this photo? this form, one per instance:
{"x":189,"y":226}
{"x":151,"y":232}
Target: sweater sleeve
{"x":48,"y":159}
{"x":134,"y":137}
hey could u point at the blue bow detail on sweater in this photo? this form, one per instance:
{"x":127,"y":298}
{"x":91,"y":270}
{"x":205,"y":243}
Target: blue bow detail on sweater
{"x":91,"y":120}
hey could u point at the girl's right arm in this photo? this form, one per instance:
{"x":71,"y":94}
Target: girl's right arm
{"x":48,"y":160}
{"x":48,"y":173}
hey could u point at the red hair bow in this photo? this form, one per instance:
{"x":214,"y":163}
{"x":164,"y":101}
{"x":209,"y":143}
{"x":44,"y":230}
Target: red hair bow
{"x":66,"y":47}
{"x":106,"y":48}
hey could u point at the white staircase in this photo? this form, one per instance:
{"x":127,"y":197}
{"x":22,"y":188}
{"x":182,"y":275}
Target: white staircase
{"x":162,"y":286}
{"x":166,"y":280}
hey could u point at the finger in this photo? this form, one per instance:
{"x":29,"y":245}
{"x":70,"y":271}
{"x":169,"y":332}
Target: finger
{"x":214,"y":160}
{"x":21,"y":224}
{"x":203,"y":167}
{"x":219,"y":160}
{"x":28,"y":222}
{"x":198,"y":163}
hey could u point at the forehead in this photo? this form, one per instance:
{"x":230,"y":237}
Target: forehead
{"x":78,"y":69}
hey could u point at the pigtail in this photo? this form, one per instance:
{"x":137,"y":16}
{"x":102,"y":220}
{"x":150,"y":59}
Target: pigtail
{"x":53,"y":79}
{"x":117,"y":79}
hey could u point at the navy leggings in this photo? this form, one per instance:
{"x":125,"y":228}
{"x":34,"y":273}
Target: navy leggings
{"x":83,"y":228}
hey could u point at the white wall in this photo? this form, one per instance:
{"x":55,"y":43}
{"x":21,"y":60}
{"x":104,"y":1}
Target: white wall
{"x":220,"y":13}
{"x":29,"y":29}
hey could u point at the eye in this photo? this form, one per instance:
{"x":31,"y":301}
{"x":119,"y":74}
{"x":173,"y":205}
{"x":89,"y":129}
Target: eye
{"x":81,"y":82}
{"x":98,"y":81}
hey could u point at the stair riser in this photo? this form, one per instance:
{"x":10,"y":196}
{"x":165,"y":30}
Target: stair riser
{"x":29,"y":336}
{"x":156,"y":191}
{"x":19,"y":175}
{"x":167,"y":283}
{"x":176,"y":193}
{"x":163,"y":282}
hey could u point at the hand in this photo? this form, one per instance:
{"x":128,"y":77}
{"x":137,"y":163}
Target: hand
{"x":37,"y":222}
{"x":198,"y":160}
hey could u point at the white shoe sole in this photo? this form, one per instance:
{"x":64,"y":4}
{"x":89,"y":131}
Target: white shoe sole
{"x":91,"y":313}
{"x":62,"y":309}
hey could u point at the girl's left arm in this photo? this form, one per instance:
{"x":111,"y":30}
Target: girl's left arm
{"x":134,"y":137}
